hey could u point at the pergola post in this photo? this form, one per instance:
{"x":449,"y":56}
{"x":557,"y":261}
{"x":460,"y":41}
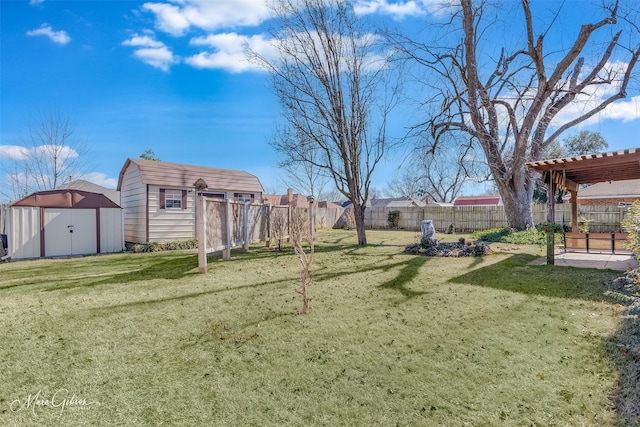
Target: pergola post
{"x":574,"y":211}
{"x":551,"y":216}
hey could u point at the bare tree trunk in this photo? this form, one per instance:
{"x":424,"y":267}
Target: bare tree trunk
{"x":358,"y":212}
{"x":517,"y":193}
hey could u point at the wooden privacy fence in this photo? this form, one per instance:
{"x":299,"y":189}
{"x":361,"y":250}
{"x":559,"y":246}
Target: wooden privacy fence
{"x":466,"y":219}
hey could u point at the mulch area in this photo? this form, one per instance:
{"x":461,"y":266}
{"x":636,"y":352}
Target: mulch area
{"x":456,"y":249}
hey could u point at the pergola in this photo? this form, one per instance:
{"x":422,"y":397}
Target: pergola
{"x":569,"y":172}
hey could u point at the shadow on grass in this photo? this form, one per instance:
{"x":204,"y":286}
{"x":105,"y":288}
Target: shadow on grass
{"x":515,"y":275}
{"x":170,"y":266}
{"x":409,"y":270}
{"x":259,"y":252}
{"x":183,"y":296}
{"x":622,"y":348}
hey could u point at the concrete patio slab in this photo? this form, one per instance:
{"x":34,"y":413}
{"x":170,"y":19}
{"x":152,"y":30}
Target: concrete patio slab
{"x":621,"y":262}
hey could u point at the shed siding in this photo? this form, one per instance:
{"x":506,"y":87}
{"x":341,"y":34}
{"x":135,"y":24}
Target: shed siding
{"x":110,"y":230}
{"x":134,"y":205}
{"x":24,"y":238}
{"x":167,"y":225}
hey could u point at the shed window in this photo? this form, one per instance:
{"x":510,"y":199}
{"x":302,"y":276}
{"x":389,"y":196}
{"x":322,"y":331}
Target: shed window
{"x":173,"y":199}
{"x":243,"y":197}
{"x":213,"y":195}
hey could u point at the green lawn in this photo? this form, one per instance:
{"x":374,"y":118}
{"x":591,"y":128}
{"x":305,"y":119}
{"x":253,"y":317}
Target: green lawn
{"x":392,"y":339}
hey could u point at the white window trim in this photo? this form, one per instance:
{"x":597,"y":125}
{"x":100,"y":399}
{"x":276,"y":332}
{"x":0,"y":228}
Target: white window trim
{"x":173,"y":199}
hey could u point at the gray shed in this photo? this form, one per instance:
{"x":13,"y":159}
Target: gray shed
{"x":62,"y":223}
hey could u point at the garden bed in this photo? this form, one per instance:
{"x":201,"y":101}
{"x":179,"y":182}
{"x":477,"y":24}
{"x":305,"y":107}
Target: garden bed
{"x":450,"y":249}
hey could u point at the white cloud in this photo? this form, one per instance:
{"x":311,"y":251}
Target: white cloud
{"x":35,"y":2}
{"x":178,"y":16}
{"x":144,"y":41}
{"x":397,"y":10}
{"x":13,"y":152}
{"x":151,"y":51}
{"x":402,"y":9}
{"x":623,"y":110}
{"x":160,"y":57}
{"x":594,"y":95}
{"x":100,"y":178}
{"x":18,"y":152}
{"x":228,"y":51}
{"x":169,"y":18}
{"x":59,"y":37}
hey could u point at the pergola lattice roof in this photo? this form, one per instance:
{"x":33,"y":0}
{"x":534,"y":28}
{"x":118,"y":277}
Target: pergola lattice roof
{"x":569,"y":172}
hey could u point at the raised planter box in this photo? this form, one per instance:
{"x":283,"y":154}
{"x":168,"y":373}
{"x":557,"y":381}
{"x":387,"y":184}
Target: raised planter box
{"x":596,"y":242}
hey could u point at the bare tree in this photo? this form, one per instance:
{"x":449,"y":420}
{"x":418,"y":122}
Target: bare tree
{"x":305,"y":177}
{"x":438,"y":173}
{"x":511,"y":102}
{"x":278,"y":225}
{"x":301,"y":231}
{"x":329,"y":77}
{"x":47,"y":155}
{"x":410,"y":184}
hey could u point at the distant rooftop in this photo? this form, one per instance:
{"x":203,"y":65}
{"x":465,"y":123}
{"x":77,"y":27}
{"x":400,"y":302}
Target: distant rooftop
{"x":491,"y":200}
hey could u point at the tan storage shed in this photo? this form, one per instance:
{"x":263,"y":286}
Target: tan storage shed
{"x":63,"y":223}
{"x":158,"y":198}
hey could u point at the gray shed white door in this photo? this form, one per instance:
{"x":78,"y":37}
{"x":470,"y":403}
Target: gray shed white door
{"x":70,"y":232}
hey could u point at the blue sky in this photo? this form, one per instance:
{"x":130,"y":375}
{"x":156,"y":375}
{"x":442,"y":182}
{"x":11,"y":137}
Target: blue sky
{"x":170,"y":76}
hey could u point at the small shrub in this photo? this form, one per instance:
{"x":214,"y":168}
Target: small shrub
{"x":160,"y":247}
{"x":552,"y":226}
{"x":632,"y":226}
{"x":527,"y":237}
{"x":393,"y":219}
{"x":583,"y":225}
{"x":531,"y":236}
{"x":492,"y":234}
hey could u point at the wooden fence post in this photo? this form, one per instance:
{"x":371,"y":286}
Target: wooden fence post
{"x":226,"y":252}
{"x":269,"y":210}
{"x":245,"y":228}
{"x":312,"y":217}
{"x":289,"y":212}
{"x":201,"y":223}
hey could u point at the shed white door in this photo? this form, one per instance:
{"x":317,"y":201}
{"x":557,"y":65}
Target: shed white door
{"x":70,"y":232}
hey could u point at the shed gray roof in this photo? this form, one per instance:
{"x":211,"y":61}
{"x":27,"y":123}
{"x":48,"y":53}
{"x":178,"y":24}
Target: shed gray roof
{"x":614,"y":189}
{"x":396,"y":202}
{"x":184,"y":176}
{"x":81,"y":184}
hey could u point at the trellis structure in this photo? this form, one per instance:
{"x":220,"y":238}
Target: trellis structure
{"x":569,"y":172}
{"x":222,"y":225}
